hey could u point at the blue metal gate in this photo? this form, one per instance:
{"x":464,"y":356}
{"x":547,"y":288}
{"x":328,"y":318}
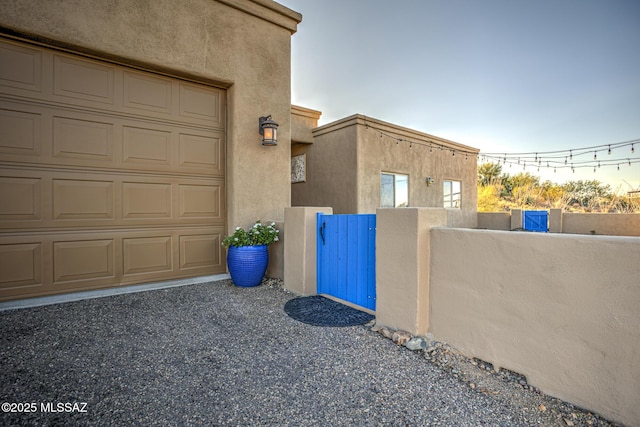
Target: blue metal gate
{"x":536,"y":221}
{"x":346,"y":258}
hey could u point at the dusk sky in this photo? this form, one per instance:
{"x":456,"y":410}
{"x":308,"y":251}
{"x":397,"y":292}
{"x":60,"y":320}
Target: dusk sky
{"x":505,"y":76}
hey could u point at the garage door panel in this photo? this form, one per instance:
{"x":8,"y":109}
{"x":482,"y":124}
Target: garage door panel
{"x":20,"y":133}
{"x":50,"y":199}
{"x":20,"y":265}
{"x":147,"y":254}
{"x":83,"y":259}
{"x":58,"y":137}
{"x":200,"y":103}
{"x":21,"y":199}
{"x":146,"y":200}
{"x":143,"y":146}
{"x":83,"y":139}
{"x":83,"y":79}
{"x":23,"y":67}
{"x":82,"y":199}
{"x":109,"y":176}
{"x":198,"y":151}
{"x":202,"y":251}
{"x":200,"y":201}
{"x":147,"y":92}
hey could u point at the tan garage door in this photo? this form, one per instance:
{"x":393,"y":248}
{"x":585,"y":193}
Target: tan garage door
{"x":109,"y":175}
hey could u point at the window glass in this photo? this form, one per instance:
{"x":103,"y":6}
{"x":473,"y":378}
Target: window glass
{"x":387,"y":196}
{"x":394,"y":190}
{"x":452,"y":194}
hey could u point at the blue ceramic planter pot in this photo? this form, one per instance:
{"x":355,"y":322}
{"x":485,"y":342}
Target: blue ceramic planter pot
{"x":247,"y":264}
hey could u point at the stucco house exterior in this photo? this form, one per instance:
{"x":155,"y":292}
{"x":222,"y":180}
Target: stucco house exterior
{"x":358,"y":164}
{"x":129,"y":141}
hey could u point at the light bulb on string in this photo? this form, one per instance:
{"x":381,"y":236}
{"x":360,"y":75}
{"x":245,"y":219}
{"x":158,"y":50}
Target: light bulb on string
{"x":633,"y":150}
{"x":570,"y":155}
{"x":595,"y":155}
{"x":609,"y":151}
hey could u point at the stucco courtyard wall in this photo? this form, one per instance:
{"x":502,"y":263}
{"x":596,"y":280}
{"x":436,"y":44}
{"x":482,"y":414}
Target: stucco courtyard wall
{"x":242,"y":45}
{"x":560,"y":309}
{"x":609,"y":224}
{"x":612,"y":224}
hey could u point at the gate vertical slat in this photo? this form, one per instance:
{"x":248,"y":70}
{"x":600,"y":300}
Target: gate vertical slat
{"x":361,"y":264}
{"x":371,"y":263}
{"x":351,"y":269}
{"x":346,"y":257}
{"x":342,"y":238}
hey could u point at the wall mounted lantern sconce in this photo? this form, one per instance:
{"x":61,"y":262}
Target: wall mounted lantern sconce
{"x":269,"y":130}
{"x":429,"y":181}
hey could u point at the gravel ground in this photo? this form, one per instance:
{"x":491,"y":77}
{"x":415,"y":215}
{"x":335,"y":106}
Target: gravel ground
{"x":215,"y":354}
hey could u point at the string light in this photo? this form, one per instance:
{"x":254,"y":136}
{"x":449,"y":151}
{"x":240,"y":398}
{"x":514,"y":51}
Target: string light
{"x":431,"y":144}
{"x":557,"y":159}
{"x":568,"y":158}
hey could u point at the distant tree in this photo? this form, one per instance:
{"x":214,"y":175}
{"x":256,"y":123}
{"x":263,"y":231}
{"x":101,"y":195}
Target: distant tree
{"x":588,"y":193}
{"x":489,"y":173}
{"x":554,"y":195}
{"x":523,"y":179}
{"x":489,"y":198}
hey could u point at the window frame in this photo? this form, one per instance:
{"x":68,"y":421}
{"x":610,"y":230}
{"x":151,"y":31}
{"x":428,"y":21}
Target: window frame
{"x":395,"y":176}
{"x":451,"y":195}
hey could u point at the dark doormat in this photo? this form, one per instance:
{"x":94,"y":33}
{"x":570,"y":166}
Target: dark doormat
{"x":317,"y":310}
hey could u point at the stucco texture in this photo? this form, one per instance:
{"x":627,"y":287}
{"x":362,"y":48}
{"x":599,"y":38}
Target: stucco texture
{"x":241,"y":45}
{"x":347,"y":157}
{"x":560,"y":309}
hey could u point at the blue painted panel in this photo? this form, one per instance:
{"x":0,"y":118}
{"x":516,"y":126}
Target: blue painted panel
{"x":536,"y":221}
{"x":346,"y":257}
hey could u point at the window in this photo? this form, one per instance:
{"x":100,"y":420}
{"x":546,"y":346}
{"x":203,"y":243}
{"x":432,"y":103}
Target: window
{"x":452,"y":194}
{"x":394,"y":190}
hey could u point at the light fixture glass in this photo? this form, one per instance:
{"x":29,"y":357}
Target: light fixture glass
{"x":269,"y":130}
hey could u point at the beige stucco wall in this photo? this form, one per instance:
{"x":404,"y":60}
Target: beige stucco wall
{"x":560,"y":309}
{"x":614,"y":224}
{"x":347,"y":157}
{"x":402,"y":276}
{"x":494,"y":220}
{"x":419,"y":156}
{"x":303,"y":120}
{"x":300,"y":250}
{"x":330,"y":170}
{"x":243,"y":45}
